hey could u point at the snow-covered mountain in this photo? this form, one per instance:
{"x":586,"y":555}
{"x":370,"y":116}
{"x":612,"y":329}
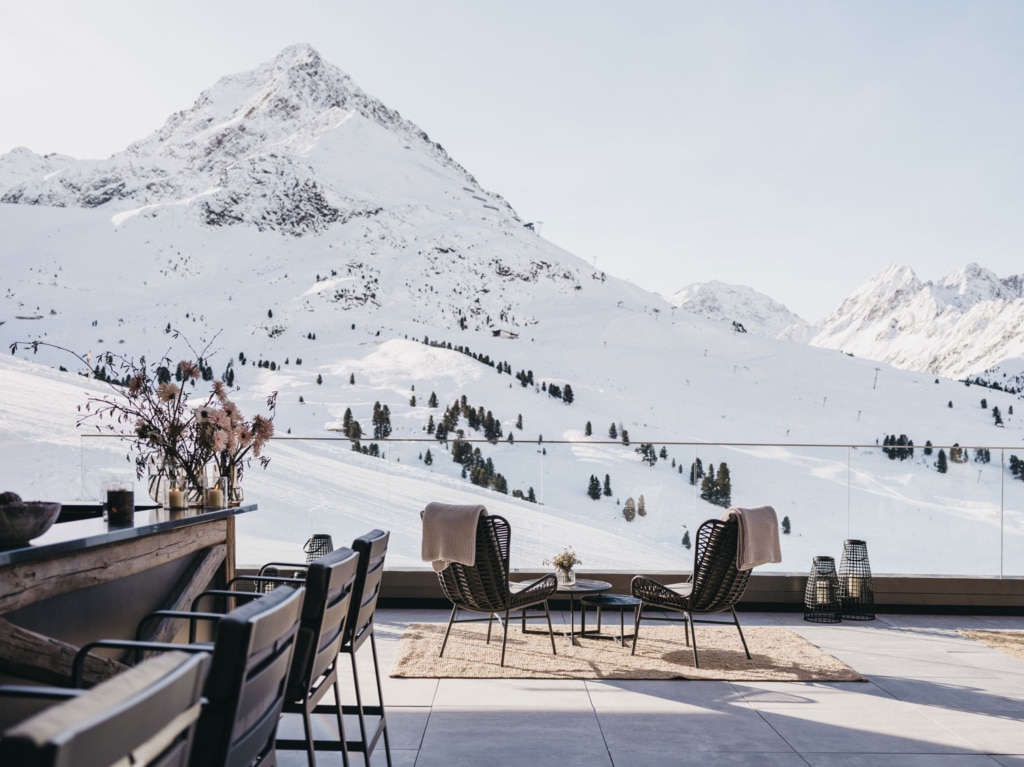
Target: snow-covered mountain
{"x":960,"y":326}
{"x":327,"y":249}
{"x":745,"y":309}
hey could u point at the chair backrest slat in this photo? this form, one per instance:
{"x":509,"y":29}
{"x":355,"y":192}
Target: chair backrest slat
{"x":372,"y":548}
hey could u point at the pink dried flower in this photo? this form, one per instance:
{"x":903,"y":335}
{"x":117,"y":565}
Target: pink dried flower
{"x":189,"y":369}
{"x":167,"y":392}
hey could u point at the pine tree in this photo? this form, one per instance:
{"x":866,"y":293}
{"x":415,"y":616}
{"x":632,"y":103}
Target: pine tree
{"x":696,"y":471}
{"x":432,"y":402}
{"x":567,"y":395}
{"x":607,"y":486}
{"x":625,"y":437}
{"x":641,"y":507}
{"x":319,"y":379}
{"x":686,"y":540}
{"x":612,"y":432}
{"x":587,"y":431}
{"x":428,"y":457}
{"x":594,"y":489}
{"x":785,"y":526}
{"x":941,"y":464}
{"x":352,"y":379}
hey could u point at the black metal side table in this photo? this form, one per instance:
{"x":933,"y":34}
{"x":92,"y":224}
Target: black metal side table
{"x":620,"y":602}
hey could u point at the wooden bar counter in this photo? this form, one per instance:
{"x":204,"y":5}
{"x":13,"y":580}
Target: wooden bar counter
{"x":86,"y":580}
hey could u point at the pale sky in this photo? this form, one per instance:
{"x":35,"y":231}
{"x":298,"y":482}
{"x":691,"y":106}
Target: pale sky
{"x":797,"y":147}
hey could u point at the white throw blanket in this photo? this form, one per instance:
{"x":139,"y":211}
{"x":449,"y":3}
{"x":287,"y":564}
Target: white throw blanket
{"x":449,"y":534}
{"x":758,"y":542}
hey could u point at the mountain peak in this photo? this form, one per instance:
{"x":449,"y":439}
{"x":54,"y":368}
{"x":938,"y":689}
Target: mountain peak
{"x":745,"y":307}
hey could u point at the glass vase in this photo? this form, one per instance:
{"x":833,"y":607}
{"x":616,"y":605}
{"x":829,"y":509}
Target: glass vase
{"x":565,"y":577}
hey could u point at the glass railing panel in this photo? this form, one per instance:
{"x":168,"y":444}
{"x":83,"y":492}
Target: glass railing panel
{"x":916,"y":519}
{"x":1012,"y":529}
{"x":967,"y":521}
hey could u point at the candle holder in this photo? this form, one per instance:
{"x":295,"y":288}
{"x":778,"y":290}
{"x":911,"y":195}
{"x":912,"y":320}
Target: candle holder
{"x":216,"y":493}
{"x":821,"y":598}
{"x":857,"y":590}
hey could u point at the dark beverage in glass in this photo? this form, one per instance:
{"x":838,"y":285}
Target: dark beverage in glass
{"x":120,"y":508}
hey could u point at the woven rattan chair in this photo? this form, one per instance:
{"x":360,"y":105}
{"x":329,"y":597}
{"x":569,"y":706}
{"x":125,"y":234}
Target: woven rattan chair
{"x":484,"y":586}
{"x":715,"y":586}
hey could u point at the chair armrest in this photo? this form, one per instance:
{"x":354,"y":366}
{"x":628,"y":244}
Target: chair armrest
{"x":538,"y":591}
{"x":78,"y":664}
{"x":192,"y":618}
{"x":20,"y":701}
{"x":228,"y":593}
{"x":652,"y":592}
{"x":298,"y":567}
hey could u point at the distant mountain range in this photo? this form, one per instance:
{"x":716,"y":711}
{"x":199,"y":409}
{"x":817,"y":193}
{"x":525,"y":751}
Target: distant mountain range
{"x":967,"y":324}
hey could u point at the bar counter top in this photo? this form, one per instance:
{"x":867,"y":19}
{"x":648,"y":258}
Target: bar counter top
{"x":83,"y":534}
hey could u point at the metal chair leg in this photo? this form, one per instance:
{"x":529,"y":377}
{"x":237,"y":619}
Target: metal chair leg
{"x":504,"y":638}
{"x":448,"y":631}
{"x":636,"y":626}
{"x":736,"y":620}
{"x":551,"y":633}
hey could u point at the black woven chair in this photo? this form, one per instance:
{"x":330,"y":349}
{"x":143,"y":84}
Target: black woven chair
{"x":715,"y":586}
{"x":143,"y":716}
{"x":245,"y":691}
{"x":484,"y":586}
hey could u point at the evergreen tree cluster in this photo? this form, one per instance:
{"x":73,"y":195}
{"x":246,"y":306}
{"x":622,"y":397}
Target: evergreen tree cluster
{"x":1016,"y":467}
{"x":479,"y":470}
{"x":381,"y":421}
{"x":595,"y":489}
{"x":502,"y":367}
{"x":716,"y":489}
{"x":898,"y":448}
{"x":647,"y":453}
{"x":476,"y":418}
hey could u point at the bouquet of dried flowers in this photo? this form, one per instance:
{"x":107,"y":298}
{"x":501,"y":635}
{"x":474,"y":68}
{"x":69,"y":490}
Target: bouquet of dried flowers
{"x":152,"y":402}
{"x":564,"y":560}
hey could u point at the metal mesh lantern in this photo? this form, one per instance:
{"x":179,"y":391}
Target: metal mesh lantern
{"x":856,"y":589}
{"x":318,"y":545}
{"x":822,"y":597}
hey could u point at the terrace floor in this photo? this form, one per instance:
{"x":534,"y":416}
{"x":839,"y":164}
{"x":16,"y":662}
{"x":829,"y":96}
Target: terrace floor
{"x":933,"y":699}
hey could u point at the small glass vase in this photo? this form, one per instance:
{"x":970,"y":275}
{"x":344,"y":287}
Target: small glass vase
{"x":565,"y":577}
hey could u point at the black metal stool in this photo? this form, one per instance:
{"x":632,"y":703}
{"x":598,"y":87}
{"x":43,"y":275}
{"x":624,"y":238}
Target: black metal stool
{"x":620,"y":602}
{"x":821,"y":598}
{"x":856,"y":589}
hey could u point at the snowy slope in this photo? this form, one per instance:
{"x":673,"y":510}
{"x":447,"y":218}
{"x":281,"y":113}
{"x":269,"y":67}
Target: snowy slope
{"x":288,"y":218}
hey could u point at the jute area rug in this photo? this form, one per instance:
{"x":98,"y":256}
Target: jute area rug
{"x":1009,"y":642}
{"x":779,"y":655}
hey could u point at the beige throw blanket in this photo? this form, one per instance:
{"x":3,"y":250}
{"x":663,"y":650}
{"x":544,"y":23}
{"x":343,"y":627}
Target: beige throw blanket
{"x":449,"y":534}
{"x":758,"y":536}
